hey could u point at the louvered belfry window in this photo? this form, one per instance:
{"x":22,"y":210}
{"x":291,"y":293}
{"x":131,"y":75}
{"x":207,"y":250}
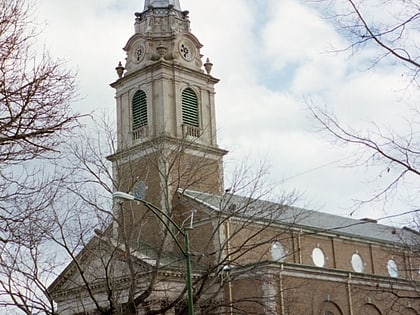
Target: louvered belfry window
{"x":139,"y":110}
{"x":190,"y":108}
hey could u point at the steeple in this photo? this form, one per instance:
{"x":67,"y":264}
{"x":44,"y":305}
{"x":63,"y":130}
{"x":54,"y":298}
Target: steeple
{"x":166,"y":120}
{"x":163,"y":88}
{"x":162,"y":4}
{"x":166,"y":107}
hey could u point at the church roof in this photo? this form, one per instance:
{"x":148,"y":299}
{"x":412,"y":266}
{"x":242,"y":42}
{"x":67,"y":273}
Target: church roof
{"x":315,"y":221}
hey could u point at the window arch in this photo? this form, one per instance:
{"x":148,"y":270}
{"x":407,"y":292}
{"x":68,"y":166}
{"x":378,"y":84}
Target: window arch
{"x":370,"y":309}
{"x":190,"y":114}
{"x":410,"y":311}
{"x":139,"y":110}
{"x":330,"y":308}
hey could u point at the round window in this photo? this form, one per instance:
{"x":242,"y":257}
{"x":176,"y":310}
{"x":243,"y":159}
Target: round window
{"x":318,"y":257}
{"x":357,"y":262}
{"x":277,"y":252}
{"x":392,"y":268}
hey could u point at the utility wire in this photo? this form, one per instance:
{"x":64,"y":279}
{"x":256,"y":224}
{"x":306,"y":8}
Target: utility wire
{"x":316,"y":168}
{"x":342,"y":159}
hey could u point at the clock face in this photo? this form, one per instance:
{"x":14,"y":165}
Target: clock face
{"x":138,"y":53}
{"x":186,"y":50}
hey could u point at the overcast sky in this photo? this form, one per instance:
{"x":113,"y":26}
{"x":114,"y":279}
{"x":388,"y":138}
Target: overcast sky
{"x":271,"y":56}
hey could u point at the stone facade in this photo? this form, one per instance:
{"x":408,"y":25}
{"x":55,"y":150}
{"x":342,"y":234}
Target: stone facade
{"x":277,"y":268}
{"x":248,"y":256}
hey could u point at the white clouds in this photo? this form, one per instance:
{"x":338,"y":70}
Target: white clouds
{"x":368,"y":96}
{"x":319,"y":74}
{"x":296,"y":34}
{"x":225,"y":30}
{"x":255,"y":46}
{"x":90,"y":35}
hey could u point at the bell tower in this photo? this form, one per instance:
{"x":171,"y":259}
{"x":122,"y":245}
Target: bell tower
{"x":165,"y":97}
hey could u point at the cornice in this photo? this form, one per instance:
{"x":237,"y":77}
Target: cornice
{"x":154,"y":145}
{"x":170,"y":66}
{"x":270,"y":268}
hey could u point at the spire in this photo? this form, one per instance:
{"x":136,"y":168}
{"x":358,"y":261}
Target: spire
{"x":162,"y":4}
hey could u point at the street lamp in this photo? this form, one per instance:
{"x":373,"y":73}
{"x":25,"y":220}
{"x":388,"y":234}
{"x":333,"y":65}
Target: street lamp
{"x":184,"y":232}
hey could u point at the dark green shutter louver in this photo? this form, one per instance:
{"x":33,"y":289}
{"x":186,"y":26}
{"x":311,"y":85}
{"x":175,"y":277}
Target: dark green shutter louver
{"x":190,"y":108}
{"x":139,"y":110}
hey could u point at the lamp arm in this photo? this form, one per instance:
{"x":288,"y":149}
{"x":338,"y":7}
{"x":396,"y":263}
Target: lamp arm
{"x":157,"y":210}
{"x":157,"y":213}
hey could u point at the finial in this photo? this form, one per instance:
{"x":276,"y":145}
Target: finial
{"x":208,"y":65}
{"x":120,"y":70}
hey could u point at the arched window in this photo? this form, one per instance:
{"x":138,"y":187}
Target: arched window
{"x":330,"y":308}
{"x":370,"y":309}
{"x":190,"y":115}
{"x":139,"y":110}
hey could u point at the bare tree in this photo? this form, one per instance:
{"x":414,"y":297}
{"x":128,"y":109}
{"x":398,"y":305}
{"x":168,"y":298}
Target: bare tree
{"x":131,"y":262}
{"x":390,"y":27}
{"x":395,"y":154}
{"x":35,"y":115}
{"x":133,"y":265}
{"x":389,"y":30}
{"x":123,"y":260}
{"x":36,"y":92}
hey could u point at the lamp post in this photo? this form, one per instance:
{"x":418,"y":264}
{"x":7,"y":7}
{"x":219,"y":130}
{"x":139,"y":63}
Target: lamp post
{"x":161,"y":215}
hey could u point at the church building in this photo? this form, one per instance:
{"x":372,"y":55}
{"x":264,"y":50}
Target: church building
{"x":180,"y":243}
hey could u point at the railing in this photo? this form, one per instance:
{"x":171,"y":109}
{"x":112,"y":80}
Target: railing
{"x":141,"y":132}
{"x":191,"y":131}
{"x":187,"y":131}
